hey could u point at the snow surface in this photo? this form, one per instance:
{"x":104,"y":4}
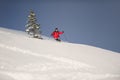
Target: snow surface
{"x":24,"y":58}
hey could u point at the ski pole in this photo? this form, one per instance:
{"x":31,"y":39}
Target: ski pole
{"x":65,"y":35}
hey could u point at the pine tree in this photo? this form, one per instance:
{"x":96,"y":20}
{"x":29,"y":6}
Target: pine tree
{"x":32,"y":28}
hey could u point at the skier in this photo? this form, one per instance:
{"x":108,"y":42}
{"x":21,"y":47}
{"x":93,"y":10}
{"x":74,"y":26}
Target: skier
{"x":56,"y":34}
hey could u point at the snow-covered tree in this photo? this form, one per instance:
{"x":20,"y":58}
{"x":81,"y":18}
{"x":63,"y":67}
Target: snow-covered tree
{"x":32,"y":28}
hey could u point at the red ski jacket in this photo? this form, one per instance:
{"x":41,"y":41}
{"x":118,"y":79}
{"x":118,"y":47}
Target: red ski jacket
{"x":56,"y":34}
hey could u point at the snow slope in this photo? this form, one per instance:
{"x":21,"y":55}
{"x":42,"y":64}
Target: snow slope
{"x":24,"y":58}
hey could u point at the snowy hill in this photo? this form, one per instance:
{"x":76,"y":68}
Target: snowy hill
{"x":24,"y":58}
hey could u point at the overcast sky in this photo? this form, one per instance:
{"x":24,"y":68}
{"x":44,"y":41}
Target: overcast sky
{"x":91,"y":22}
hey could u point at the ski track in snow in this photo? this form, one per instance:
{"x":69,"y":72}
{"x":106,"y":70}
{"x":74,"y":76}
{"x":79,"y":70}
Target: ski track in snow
{"x":56,"y":76}
{"x":61,"y":59}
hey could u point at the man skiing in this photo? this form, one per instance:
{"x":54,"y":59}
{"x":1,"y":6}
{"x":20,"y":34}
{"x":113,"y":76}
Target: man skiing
{"x":56,"y":34}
